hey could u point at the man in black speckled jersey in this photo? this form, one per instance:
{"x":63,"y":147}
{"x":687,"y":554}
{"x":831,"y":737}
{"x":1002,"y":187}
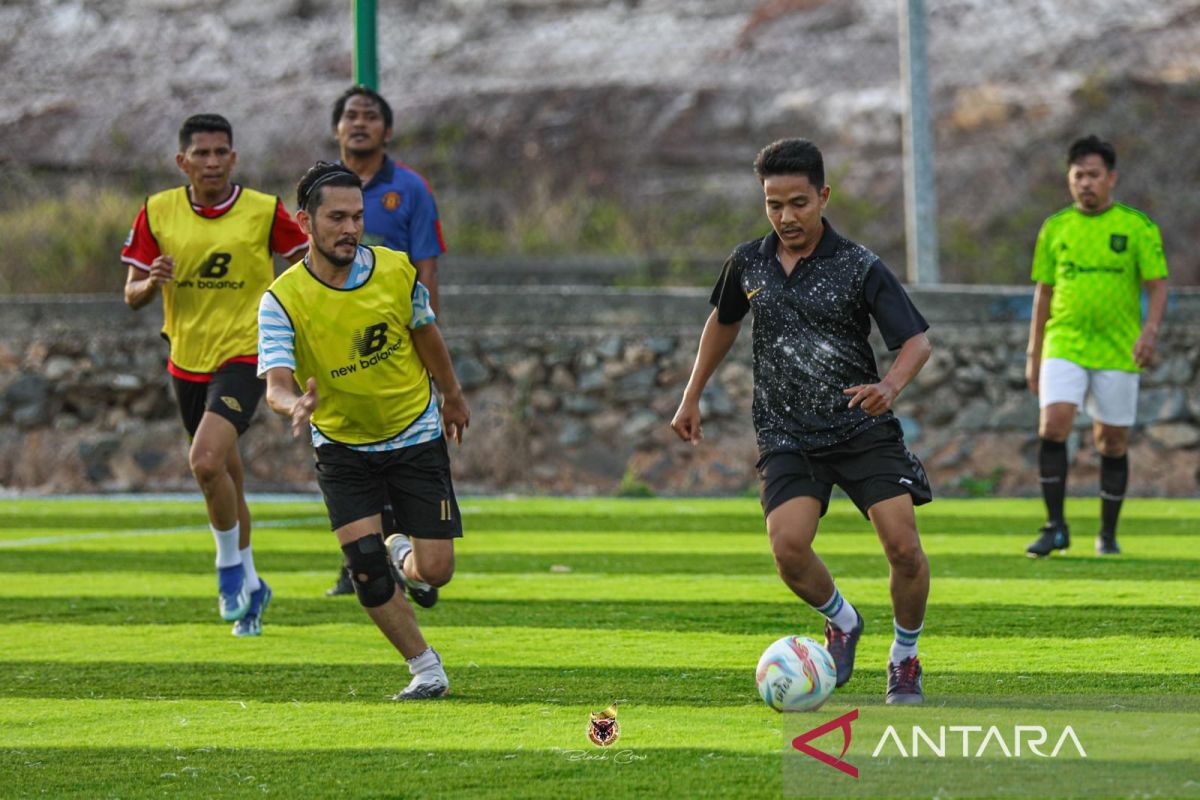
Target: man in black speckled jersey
{"x":821,"y":412}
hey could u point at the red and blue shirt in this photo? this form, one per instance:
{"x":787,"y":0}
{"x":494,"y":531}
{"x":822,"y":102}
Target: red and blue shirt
{"x":399,"y":212}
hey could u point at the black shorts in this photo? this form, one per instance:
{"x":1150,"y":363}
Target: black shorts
{"x":870,"y":467}
{"x":233,"y":393}
{"x":415,"y":480}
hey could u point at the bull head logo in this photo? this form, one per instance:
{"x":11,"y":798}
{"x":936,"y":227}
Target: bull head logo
{"x":603,"y":729}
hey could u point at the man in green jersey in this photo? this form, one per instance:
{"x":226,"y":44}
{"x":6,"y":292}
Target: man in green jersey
{"x":1086,"y":338}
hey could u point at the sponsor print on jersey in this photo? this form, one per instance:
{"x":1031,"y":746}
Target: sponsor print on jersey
{"x":367,"y":348}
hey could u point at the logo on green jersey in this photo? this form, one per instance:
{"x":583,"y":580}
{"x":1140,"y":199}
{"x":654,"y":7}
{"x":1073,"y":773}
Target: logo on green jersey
{"x":1118,"y":242}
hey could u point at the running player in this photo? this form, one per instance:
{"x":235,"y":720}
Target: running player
{"x":207,"y":248}
{"x":351,"y":353}
{"x":821,"y":412}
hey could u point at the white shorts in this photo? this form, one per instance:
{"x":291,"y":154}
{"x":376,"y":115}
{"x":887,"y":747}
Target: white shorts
{"x":1111,"y":393}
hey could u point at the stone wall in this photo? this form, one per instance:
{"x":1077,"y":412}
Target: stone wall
{"x":571,"y":389}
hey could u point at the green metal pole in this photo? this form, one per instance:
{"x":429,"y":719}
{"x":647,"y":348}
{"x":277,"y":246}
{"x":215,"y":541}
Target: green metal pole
{"x":366,"y":66}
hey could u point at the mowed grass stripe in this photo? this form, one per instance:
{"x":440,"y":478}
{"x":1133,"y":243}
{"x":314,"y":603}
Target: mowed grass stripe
{"x":1035,"y":621}
{"x":550,"y":647}
{"x":702,"y":589}
{"x":354,"y":684}
{"x":964,"y":517}
{"x":277,"y":556}
{"x":387,"y":772}
{"x":410,"y":726}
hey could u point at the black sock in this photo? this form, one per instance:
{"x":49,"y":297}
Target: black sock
{"x":1052,"y":469}
{"x":1114,"y":477}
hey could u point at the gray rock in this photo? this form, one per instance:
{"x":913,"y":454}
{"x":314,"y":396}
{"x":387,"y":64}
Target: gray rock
{"x":660,"y":345}
{"x":96,"y":454}
{"x":471,"y":372}
{"x":573,"y":433}
{"x":640,"y":423}
{"x":911,"y":428}
{"x":580,"y":404}
{"x":610,"y":348}
{"x":58,"y":367}
{"x":638,"y":385}
{"x":716,"y":402}
{"x":592,"y":380}
{"x":1174,"y":435}
{"x":1161,"y":405}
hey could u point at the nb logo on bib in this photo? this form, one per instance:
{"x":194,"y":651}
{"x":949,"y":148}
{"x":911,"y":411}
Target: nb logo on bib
{"x":370,"y":341}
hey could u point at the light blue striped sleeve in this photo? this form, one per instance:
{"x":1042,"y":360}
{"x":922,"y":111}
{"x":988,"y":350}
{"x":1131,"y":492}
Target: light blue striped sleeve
{"x":276,"y":337}
{"x":422,"y":311}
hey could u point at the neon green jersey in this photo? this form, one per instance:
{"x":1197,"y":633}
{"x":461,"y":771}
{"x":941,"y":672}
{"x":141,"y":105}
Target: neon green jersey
{"x":1096,"y":264}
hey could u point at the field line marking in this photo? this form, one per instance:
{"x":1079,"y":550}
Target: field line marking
{"x":76,"y":537}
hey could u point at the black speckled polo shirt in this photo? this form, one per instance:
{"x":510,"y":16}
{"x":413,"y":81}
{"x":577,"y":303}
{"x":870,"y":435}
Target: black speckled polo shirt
{"x":811,"y":333}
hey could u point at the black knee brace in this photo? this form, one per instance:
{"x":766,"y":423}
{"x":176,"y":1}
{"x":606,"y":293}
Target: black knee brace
{"x":367,"y":561}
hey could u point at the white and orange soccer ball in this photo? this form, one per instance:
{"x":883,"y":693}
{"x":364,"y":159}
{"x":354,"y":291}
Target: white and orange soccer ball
{"x":796,"y":674}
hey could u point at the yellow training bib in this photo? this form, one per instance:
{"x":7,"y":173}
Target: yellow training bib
{"x":371,"y":383}
{"x":222,"y":267}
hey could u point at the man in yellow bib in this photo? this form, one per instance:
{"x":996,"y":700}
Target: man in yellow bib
{"x":350,"y":348}
{"x":207,"y":247}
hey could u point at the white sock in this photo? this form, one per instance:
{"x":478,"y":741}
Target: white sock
{"x":253,"y":584}
{"x":839,"y":611}
{"x":227,"y":546}
{"x":905,"y":644}
{"x":428,"y":663}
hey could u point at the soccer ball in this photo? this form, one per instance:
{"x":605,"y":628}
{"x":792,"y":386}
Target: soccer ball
{"x":796,"y":674}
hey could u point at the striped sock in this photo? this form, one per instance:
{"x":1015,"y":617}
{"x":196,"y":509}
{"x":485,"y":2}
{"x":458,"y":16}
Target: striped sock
{"x":839,"y":612}
{"x":905,"y":645}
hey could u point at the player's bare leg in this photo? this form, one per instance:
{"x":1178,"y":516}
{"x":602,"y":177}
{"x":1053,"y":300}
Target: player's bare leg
{"x":896,"y":525}
{"x":362,"y":542}
{"x":421,"y":565}
{"x":791,"y":527}
{"x":214,"y":444}
{"x":260,"y":592}
{"x":213,"y":447}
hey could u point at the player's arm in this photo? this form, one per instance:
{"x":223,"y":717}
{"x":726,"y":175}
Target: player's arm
{"x":149,"y":267}
{"x":431,"y":349}
{"x":715,"y":341}
{"x":876,"y":398}
{"x":1042,"y":294}
{"x":142,"y":286}
{"x":1143,"y":348}
{"x":284,"y":399}
{"x":427,"y":274}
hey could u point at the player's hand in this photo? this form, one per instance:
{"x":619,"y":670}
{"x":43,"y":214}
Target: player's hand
{"x":686,"y":422}
{"x":456,"y":417}
{"x":162,"y":270}
{"x":1032,"y":370}
{"x":303,"y":408}
{"x":873,"y":398}
{"x":1143,"y":348}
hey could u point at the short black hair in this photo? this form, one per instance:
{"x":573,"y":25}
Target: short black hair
{"x":791,"y":157}
{"x":1092,"y":145}
{"x":339,"y":106}
{"x":320,"y":175}
{"x":203,"y":123}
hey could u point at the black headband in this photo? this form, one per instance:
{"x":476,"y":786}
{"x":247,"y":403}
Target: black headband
{"x":319,"y":182}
